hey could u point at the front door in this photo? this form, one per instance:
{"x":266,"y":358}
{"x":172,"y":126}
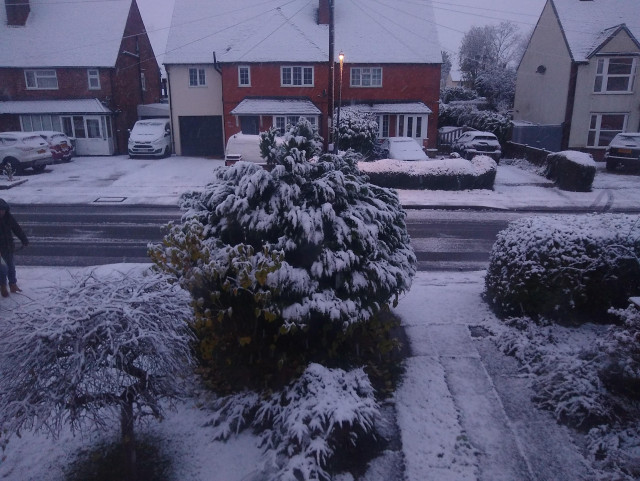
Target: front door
{"x":250,"y":124}
{"x":93,"y":134}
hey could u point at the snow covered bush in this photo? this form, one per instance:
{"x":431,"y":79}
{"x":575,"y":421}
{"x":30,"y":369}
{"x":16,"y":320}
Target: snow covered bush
{"x":269,"y":146}
{"x":621,"y":373}
{"x":311,"y":428}
{"x":452,"y":94}
{"x":441,"y":174}
{"x":565,"y":267}
{"x":281,"y":263}
{"x":459,"y":115}
{"x":571,"y":170}
{"x":358,"y":131}
{"x":108,"y":342}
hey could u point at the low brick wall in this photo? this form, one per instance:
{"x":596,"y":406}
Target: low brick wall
{"x":521,"y":151}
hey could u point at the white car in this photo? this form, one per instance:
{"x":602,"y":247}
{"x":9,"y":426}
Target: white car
{"x":403,"y":148}
{"x":23,"y":150}
{"x":150,"y":138}
{"x":475,"y":142}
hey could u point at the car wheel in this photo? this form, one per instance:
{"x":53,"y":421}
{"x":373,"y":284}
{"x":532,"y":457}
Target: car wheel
{"x":611,"y":166}
{"x":468,"y":155}
{"x":166,"y":152}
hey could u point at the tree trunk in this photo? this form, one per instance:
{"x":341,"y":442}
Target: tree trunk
{"x":128,"y":440}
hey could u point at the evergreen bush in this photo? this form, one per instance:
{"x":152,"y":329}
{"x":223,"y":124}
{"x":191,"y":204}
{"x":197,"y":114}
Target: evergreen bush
{"x":459,"y":115}
{"x":565,"y":267}
{"x":358,"y":131}
{"x":282,"y":264}
{"x":571,"y":170}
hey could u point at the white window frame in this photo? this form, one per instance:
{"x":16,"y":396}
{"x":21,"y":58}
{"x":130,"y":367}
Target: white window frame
{"x":603,"y":76}
{"x":34,"y":77}
{"x":383,"y":126}
{"x":403,"y":121}
{"x":292,"y":69}
{"x":199,"y":77}
{"x":280,"y":122}
{"x":93,"y":78}
{"x":595,"y":126}
{"x":242,"y":68}
{"x":359,"y":74}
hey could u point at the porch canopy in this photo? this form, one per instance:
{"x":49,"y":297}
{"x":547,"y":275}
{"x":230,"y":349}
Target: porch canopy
{"x":275,"y":107}
{"x":406,"y":108}
{"x":39,"y":107}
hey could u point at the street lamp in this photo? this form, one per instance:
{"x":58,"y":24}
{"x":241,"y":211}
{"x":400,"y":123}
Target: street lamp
{"x":337,"y":129}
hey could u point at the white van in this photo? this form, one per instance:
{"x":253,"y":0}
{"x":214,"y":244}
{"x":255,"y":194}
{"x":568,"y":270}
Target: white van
{"x":150,"y":138}
{"x":243,"y":147}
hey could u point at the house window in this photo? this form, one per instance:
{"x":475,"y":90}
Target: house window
{"x":93,"y":76}
{"x":604,"y":127}
{"x":282,"y":121}
{"x":383,"y":125}
{"x":411,"y":126}
{"x":196,"y":77}
{"x":143,"y":82}
{"x":366,"y":77}
{"x":615,"y":74}
{"x":41,"y":79}
{"x":296,"y":76}
{"x":30,"y":123}
{"x":244,"y":76}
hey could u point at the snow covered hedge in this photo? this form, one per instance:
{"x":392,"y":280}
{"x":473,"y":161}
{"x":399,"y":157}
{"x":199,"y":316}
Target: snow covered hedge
{"x":282,"y":264}
{"x":358,"y":131}
{"x":565,"y":267}
{"x":571,"y":170}
{"x":438,"y":174}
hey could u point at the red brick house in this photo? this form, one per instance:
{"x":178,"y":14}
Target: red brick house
{"x":257,"y":64}
{"x":80,"y":67}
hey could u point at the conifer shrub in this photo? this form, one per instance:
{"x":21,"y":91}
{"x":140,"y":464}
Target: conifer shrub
{"x":358,"y":131}
{"x":571,"y":170}
{"x":284,"y":265}
{"x":565,"y":267}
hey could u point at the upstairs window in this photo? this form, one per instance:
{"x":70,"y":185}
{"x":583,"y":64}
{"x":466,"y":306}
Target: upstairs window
{"x":615,"y":74}
{"x":93,"y":76}
{"x":196,"y":77}
{"x":296,"y":76}
{"x":41,"y":79}
{"x":244,"y":76}
{"x":366,"y":77}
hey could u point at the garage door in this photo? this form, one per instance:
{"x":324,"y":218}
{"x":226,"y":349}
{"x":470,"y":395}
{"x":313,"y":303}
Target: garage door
{"x":201,"y":136}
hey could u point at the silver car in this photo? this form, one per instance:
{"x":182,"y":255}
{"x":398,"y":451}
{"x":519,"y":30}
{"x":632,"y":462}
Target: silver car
{"x":475,"y":142}
{"x":23,"y":150}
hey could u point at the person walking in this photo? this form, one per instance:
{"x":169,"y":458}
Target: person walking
{"x":8,"y":227}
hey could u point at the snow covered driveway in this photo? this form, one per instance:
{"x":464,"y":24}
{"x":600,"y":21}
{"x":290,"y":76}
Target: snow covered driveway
{"x":463,"y":410}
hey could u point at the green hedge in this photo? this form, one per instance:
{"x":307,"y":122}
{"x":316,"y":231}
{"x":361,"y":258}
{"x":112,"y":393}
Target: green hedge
{"x":571,"y":170}
{"x":565,"y":267}
{"x":441,"y":174}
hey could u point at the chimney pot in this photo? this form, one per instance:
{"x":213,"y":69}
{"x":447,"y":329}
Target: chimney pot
{"x":17,"y":12}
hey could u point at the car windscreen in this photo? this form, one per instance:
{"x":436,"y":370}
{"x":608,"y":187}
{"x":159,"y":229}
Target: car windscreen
{"x":483,"y":137}
{"x":628,"y":139}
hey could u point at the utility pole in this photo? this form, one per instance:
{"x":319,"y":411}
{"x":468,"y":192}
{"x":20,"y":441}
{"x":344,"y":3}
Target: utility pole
{"x":331,"y":93}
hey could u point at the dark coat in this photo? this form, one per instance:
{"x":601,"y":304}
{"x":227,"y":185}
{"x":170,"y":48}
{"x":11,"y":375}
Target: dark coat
{"x":8,"y":227}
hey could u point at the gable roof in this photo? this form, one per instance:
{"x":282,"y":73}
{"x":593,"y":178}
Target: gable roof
{"x":587,"y":24}
{"x":385,"y":31}
{"x":59,"y":33}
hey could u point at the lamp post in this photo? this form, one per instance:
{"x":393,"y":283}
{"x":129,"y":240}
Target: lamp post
{"x":337,"y":129}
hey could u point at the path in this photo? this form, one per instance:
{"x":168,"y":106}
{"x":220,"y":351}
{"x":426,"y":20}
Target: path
{"x":475,"y":420}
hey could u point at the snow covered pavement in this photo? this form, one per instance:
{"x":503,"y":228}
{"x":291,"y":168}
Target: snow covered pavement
{"x":463,"y":410}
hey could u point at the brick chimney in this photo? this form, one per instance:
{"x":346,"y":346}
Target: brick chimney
{"x":324,"y":13}
{"x":17,"y":12}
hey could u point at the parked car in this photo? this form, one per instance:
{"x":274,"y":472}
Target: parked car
{"x":60,"y":145}
{"x":403,"y":148}
{"x":150,"y":138}
{"x":624,"y":150}
{"x":23,"y":150}
{"x":242,"y":147}
{"x":475,"y":142}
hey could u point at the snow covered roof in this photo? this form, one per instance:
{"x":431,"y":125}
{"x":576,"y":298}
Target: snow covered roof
{"x":384,"y":31}
{"x":394,"y":108}
{"x":275,"y":107}
{"x":80,"y":106}
{"x":60,"y":33}
{"x":587,"y":24}
{"x":153,"y":110}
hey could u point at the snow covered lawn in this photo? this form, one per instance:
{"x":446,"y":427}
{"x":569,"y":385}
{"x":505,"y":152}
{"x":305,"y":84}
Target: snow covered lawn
{"x":464,"y":410}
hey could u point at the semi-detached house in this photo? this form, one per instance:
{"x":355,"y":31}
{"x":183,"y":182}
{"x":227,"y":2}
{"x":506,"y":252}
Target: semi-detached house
{"x":82,"y":67}
{"x":578,"y":83}
{"x":248,"y":65}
